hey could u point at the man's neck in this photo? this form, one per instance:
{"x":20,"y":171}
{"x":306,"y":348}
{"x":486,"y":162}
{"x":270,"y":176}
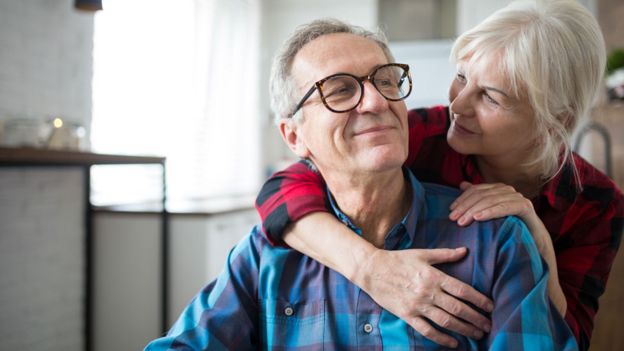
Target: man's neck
{"x":374,"y":203}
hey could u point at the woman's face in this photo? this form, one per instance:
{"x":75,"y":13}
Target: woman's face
{"x":487,"y":119}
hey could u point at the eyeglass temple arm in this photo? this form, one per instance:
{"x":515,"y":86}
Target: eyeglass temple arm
{"x":303,"y":100}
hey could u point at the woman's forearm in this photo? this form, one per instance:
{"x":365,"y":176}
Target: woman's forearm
{"x":322,"y":237}
{"x":546,"y":249}
{"x":556,"y":293}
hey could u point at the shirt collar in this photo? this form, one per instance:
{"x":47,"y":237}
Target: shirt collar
{"x":402,"y":234}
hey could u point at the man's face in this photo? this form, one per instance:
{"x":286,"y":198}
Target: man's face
{"x":371,"y":138}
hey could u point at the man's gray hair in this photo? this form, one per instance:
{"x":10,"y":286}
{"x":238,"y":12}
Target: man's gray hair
{"x":283,"y":92}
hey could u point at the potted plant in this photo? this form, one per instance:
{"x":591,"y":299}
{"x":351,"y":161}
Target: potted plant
{"x":615,"y":75}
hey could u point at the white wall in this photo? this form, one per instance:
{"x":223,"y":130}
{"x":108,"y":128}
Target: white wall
{"x":430,"y":68}
{"x":45,"y":60}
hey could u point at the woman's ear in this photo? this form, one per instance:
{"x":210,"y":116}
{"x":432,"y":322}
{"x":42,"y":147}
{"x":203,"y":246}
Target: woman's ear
{"x":291,"y":133}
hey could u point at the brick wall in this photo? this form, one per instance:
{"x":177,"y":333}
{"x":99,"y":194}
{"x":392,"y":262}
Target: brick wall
{"x":45,"y":69}
{"x":45,"y":60}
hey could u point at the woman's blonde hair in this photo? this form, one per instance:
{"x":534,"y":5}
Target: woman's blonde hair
{"x":553,"y":53}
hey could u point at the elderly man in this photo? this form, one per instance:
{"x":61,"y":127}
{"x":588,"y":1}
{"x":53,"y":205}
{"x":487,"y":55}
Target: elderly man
{"x":350,"y":123}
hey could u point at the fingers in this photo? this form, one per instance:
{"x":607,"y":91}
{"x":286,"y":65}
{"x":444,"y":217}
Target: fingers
{"x":437,"y":256}
{"x":470,"y":190}
{"x":456,"y":308}
{"x":504,"y":208}
{"x":464,"y":185}
{"x":423,"y":327}
{"x":500,"y":198}
{"x":466,"y":292}
{"x":498,"y":205}
{"x":452,"y":323}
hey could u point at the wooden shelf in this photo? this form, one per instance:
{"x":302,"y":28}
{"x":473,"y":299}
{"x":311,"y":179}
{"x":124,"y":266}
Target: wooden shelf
{"x":33,"y":156}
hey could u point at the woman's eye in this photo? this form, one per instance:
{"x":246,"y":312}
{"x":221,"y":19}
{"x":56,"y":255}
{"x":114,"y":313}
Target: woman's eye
{"x":460,"y":77}
{"x":489,"y":98}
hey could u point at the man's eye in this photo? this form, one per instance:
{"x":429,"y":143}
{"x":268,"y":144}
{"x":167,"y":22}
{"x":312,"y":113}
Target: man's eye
{"x":339,"y":91}
{"x":384,"y":82}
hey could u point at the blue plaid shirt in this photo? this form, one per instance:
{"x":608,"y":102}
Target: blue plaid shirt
{"x":275,"y":298}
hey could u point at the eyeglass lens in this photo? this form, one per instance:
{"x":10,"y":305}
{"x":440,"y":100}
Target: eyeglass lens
{"x":343,"y":92}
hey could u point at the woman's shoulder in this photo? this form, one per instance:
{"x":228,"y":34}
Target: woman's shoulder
{"x":593,"y":179}
{"x":432,"y":117}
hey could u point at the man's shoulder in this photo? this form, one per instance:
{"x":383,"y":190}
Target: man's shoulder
{"x":438,"y":190}
{"x":252,"y":244}
{"x":439,"y":199}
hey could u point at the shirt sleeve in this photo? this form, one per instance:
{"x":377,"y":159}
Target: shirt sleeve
{"x":289,"y":195}
{"x":585,"y":255}
{"x":224,"y":315}
{"x":296,"y":191}
{"x":523,"y":317}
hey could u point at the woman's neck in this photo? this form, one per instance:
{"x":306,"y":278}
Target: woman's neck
{"x":526,"y":180}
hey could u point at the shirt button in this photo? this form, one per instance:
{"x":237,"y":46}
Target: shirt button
{"x":368,"y":328}
{"x":288,"y":311}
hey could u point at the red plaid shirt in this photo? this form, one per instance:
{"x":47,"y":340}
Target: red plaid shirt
{"x":585,"y":226}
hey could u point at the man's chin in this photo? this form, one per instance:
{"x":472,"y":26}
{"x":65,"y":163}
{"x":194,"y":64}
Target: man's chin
{"x":383,"y":161}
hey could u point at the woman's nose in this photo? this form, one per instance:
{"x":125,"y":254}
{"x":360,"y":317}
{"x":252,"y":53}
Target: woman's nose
{"x":462,"y":101}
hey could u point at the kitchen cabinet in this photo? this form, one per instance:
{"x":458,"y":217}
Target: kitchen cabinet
{"x":127,"y":279}
{"x":47,"y":242}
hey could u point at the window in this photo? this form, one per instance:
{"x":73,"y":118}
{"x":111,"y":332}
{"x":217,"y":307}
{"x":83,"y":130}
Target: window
{"x":177,"y":79}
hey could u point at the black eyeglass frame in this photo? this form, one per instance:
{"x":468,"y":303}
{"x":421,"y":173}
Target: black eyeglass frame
{"x":319,"y":86}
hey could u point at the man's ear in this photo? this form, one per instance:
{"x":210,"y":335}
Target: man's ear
{"x":291,"y":133}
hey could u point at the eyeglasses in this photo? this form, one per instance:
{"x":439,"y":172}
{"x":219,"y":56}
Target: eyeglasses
{"x":342,"y":92}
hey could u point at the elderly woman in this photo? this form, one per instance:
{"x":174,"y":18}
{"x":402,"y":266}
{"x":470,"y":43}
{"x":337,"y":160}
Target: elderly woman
{"x":526,"y":77}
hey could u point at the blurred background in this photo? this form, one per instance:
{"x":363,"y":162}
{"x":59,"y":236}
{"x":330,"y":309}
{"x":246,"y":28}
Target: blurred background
{"x":109,"y":109}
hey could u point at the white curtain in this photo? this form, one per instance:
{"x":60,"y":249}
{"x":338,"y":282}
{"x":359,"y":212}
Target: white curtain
{"x":177,"y":79}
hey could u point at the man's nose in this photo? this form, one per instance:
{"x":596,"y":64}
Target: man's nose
{"x":372,"y":100}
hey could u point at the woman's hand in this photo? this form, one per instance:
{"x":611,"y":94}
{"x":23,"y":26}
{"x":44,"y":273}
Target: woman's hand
{"x":405,"y":283}
{"x":488,"y":201}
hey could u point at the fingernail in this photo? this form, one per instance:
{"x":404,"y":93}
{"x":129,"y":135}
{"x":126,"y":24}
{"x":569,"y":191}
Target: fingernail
{"x":461,"y":221}
{"x":453,"y":215}
{"x":487,"y":328}
{"x":477,"y":334}
{"x":489,"y":307}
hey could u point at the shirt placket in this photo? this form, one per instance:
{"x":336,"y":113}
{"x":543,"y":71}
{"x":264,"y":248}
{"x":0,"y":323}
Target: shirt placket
{"x":367,"y":332}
